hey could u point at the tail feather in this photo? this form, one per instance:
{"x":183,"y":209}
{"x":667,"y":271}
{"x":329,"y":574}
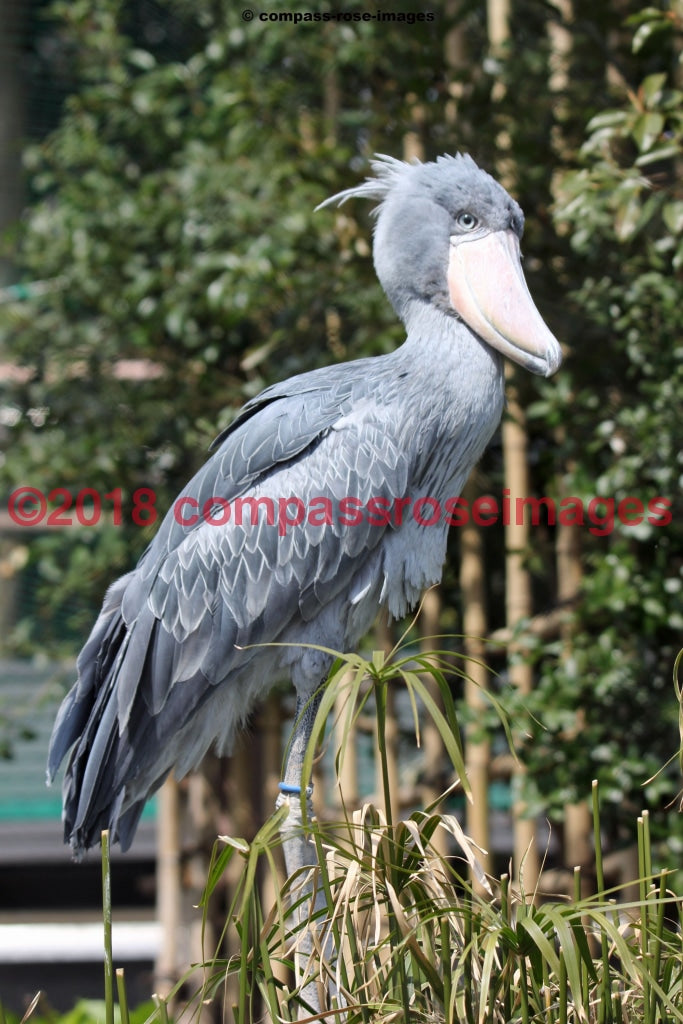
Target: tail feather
{"x":87,"y":724}
{"x":94,"y":665}
{"x":128,"y":823}
{"x":119,"y":755}
{"x":143,"y":702}
{"x":91,"y":802}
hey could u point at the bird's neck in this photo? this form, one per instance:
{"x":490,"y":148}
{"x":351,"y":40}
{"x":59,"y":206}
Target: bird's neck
{"x":455,"y":390}
{"x":445,"y":345}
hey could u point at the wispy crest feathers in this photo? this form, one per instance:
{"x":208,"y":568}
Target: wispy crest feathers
{"x":388,"y":173}
{"x":387,"y":170}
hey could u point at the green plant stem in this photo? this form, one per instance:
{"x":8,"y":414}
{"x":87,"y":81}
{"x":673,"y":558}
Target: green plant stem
{"x":656,"y":952}
{"x":617,"y":1009}
{"x":380,"y":687}
{"x":469,"y":956}
{"x":446,"y":962}
{"x":123,"y":996}
{"x":162,"y":1008}
{"x":245,"y":947}
{"x":106,"y":919}
{"x":647,"y":845}
{"x":562,"y":985}
{"x":584,"y":968}
{"x":597,"y":841}
{"x":505,"y":916}
{"x":604,"y":1002}
{"x":523,"y":989}
{"x":644,"y":923}
{"x":546,"y":993}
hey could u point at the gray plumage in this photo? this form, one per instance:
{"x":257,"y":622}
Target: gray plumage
{"x":170,"y":667}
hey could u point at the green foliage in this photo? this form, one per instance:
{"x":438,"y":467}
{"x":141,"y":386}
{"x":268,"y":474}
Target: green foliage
{"x":86,"y":1011}
{"x":606,"y":705}
{"x":398,"y":930}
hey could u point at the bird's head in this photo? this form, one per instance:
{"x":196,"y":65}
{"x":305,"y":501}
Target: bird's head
{"x":448,"y":234}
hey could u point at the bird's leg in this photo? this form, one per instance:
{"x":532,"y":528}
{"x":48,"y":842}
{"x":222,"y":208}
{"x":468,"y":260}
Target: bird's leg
{"x":299,"y":851}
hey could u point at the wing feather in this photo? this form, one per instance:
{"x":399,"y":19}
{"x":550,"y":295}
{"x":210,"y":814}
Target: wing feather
{"x":182,"y":626}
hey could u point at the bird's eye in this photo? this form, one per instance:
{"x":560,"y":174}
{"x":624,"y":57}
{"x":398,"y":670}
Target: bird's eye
{"x":466,"y":221}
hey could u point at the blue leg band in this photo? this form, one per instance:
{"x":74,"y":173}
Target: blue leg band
{"x":286,"y":787}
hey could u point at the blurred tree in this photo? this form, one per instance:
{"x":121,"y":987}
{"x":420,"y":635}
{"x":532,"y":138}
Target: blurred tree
{"x":182,"y":268}
{"x":622,"y":209}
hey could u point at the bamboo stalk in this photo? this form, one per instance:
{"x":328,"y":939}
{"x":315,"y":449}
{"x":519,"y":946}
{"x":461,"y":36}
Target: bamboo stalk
{"x":432,"y":744}
{"x":475,"y":627}
{"x":518,"y":606}
{"x":389,"y":769}
{"x":169,"y":886}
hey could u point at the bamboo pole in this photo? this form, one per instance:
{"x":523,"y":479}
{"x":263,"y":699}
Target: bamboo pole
{"x":347,"y":790}
{"x":432,"y":744}
{"x":518,"y":582}
{"x":270,"y":729}
{"x":475,"y":627}
{"x":13,"y":124}
{"x":242,"y":818}
{"x":518,"y":606}
{"x":578,"y":822}
{"x":169,"y":888}
{"x":456,"y":59}
{"x":384,"y":642}
{"x":498,"y":23}
{"x":472,"y":569}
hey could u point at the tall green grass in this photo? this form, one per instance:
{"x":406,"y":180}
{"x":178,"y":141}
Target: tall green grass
{"x":399,"y":931}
